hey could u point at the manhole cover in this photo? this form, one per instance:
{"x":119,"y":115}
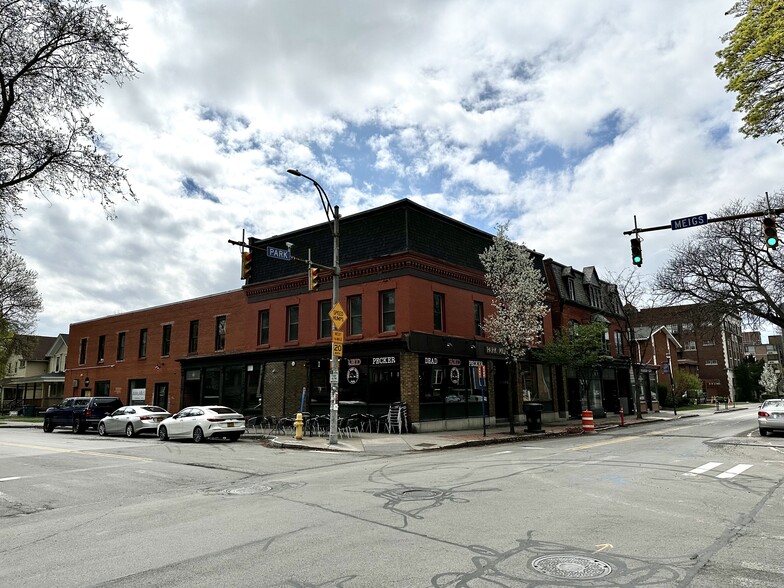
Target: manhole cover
{"x":571,"y":566}
{"x":418,"y":494}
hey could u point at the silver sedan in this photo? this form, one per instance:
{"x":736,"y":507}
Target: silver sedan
{"x":132,"y":420}
{"x":770,"y":416}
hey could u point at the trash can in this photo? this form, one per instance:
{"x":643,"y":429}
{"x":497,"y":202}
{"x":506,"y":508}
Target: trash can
{"x":28,"y":411}
{"x":533,"y":417}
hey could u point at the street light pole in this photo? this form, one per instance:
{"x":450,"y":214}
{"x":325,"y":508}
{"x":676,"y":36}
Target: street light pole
{"x":672,"y":386}
{"x":334,"y":373}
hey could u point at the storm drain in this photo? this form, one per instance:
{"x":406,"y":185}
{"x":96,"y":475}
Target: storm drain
{"x":418,"y":494}
{"x":571,"y":566}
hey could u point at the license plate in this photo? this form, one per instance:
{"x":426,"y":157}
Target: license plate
{"x":229,"y":424}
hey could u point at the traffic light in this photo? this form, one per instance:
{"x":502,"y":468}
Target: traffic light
{"x":637,"y":251}
{"x":313,"y":278}
{"x":246,"y":261}
{"x":769,"y":228}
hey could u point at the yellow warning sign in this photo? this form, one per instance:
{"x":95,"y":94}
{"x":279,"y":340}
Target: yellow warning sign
{"x":337,"y":315}
{"x":337,"y":336}
{"x":337,"y":349}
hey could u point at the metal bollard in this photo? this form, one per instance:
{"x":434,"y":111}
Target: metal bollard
{"x":622,"y":424}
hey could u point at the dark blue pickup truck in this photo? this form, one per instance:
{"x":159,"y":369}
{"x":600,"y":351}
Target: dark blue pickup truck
{"x":80,"y":412}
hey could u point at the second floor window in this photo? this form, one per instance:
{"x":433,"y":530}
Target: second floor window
{"x":292,"y":323}
{"x":220,"y":333}
{"x":82,"y":351}
{"x":355,"y":315}
{"x":264,"y":327}
{"x":438,"y":312}
{"x":619,"y":343}
{"x":325,"y":323}
{"x":143,"y":343}
{"x":101,"y":348}
{"x":193,"y":337}
{"x":121,"y":346}
{"x":387,"y":311}
{"x":479,"y":318}
{"x":166,"y":340}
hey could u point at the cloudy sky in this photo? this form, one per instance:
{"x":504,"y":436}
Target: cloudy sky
{"x":564,"y":118}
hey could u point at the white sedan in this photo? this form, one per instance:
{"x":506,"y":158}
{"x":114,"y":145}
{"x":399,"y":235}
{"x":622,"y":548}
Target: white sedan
{"x":203,"y":422}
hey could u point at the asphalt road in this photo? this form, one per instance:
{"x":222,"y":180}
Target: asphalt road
{"x":695,"y":502}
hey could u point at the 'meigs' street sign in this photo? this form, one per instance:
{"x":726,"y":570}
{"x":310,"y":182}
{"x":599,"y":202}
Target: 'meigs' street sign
{"x":689,"y":221}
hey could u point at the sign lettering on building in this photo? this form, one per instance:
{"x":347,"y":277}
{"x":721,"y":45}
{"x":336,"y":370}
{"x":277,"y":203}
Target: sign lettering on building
{"x":384,"y":360}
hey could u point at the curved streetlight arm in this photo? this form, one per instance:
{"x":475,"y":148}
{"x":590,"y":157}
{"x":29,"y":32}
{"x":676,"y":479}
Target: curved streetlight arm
{"x":321,"y":192}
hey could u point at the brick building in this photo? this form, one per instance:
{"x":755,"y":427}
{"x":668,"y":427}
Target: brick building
{"x":414,"y":294}
{"x":713,"y":343}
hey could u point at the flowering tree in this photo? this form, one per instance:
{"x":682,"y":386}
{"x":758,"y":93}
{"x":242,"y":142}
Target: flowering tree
{"x":519,"y":289}
{"x":769,"y":380}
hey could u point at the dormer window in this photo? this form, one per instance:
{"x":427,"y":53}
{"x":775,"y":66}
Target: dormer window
{"x":595,"y":296}
{"x":570,"y":288}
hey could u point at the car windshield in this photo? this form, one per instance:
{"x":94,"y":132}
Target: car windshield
{"x":774,"y":404}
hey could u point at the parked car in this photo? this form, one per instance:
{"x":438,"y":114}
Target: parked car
{"x":80,"y":412}
{"x":770,"y":416}
{"x":133,"y":420}
{"x":203,"y":422}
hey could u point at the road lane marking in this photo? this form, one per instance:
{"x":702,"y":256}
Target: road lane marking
{"x":600,"y":443}
{"x":732,"y":472}
{"x":76,"y":451}
{"x":703,"y":468}
{"x":10,"y":479}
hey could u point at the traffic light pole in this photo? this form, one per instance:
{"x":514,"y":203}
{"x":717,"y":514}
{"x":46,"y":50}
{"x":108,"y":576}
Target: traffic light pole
{"x":334,"y":371}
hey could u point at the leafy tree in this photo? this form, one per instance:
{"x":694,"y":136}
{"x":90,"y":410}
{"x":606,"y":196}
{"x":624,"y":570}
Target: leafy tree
{"x":581,"y":347}
{"x":20,"y":304}
{"x":519,"y":290}
{"x":687,"y":386}
{"x":726,"y":266}
{"x":769,"y":380}
{"x":752,"y":62}
{"x":747,"y":379}
{"x":55,"y":55}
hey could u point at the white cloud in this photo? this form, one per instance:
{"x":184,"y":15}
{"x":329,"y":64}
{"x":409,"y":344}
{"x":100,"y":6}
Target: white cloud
{"x":566,"y":119}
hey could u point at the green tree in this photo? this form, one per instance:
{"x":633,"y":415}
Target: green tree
{"x":747,"y":379}
{"x":752,"y":62}
{"x":55,"y":56}
{"x":581,"y":347}
{"x":519,"y":289}
{"x":687,"y":386}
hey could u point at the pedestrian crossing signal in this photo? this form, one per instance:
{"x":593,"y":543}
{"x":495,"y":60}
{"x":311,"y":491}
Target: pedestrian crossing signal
{"x":247,"y":258}
{"x":637,"y":251}
{"x":769,"y":229}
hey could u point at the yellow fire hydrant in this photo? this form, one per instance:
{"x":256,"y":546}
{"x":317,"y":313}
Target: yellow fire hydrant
{"x":298,"y":426}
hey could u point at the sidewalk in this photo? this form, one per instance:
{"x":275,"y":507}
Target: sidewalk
{"x":386,"y":443}
{"x":391,"y":443}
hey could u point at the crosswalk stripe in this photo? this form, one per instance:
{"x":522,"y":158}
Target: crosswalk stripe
{"x":732,"y":472}
{"x":703,"y":468}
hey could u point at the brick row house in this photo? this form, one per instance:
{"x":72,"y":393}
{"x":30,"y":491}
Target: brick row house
{"x":413,"y":290}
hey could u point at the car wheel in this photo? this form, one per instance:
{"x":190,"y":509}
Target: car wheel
{"x":129,"y":432}
{"x":233,"y":436}
{"x":101,"y":429}
{"x":77,"y":426}
{"x":48,"y":426}
{"x":763,"y":432}
{"x":198,"y":435}
{"x":163,"y":434}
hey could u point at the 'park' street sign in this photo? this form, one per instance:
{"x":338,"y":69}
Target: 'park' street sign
{"x":284,"y":254}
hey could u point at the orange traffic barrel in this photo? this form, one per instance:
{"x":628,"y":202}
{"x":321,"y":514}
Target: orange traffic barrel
{"x":588,"y":422}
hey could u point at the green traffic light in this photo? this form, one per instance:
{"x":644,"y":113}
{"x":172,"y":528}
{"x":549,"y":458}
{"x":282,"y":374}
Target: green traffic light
{"x":769,"y":229}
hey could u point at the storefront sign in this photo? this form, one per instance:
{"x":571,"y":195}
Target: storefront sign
{"x":384,"y":360}
{"x":352,"y":375}
{"x":456,"y":362}
{"x":354,"y":361}
{"x":431,"y":361}
{"x":138,"y":394}
{"x":454,"y":375}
